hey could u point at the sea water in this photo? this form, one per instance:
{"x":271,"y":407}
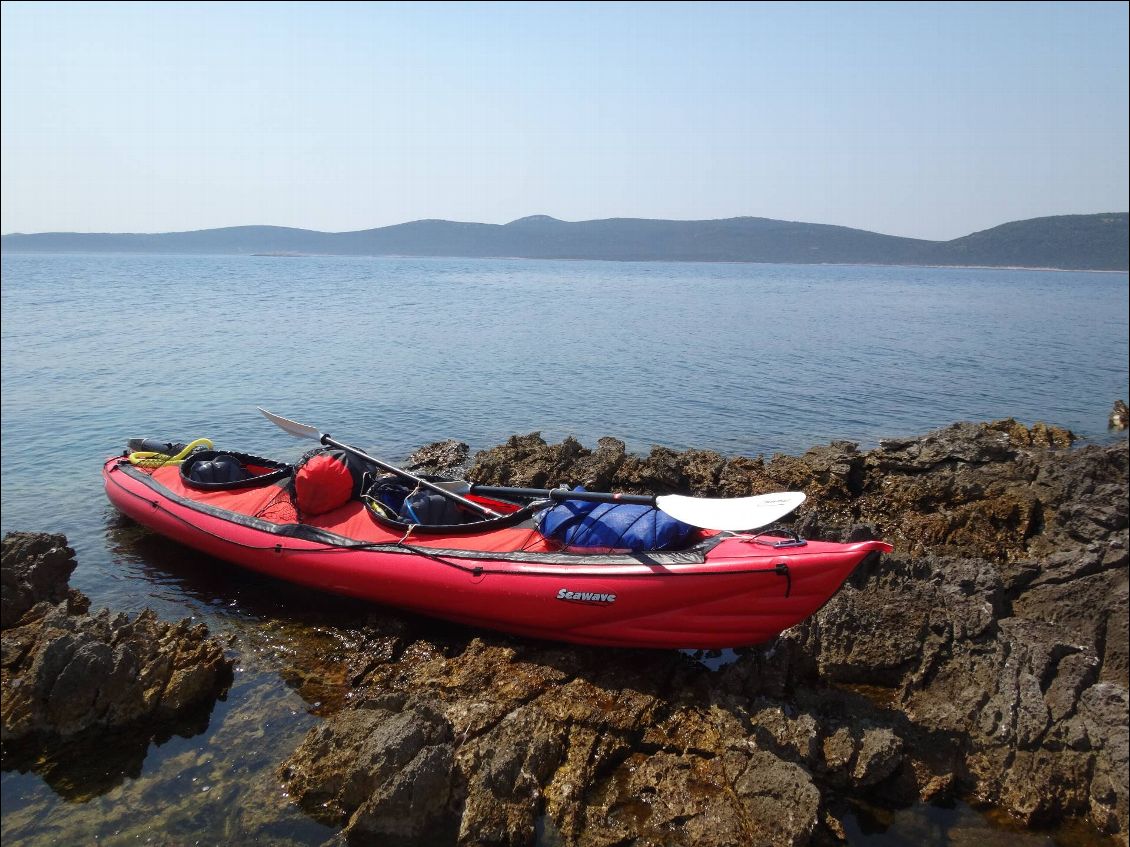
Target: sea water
{"x":391,"y":353}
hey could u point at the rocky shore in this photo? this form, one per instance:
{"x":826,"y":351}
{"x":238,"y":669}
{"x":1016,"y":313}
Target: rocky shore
{"x":73,"y":680}
{"x":985,"y":659}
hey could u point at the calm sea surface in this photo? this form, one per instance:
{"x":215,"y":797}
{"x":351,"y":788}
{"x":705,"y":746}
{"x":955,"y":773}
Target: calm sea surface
{"x":392,"y":353}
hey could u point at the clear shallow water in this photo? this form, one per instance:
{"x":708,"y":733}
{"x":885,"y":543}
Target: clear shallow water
{"x":391,"y":353}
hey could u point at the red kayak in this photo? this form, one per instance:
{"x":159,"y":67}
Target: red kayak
{"x":719,"y":589}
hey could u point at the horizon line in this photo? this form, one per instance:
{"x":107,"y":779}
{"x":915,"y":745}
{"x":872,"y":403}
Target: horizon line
{"x":555,"y":220}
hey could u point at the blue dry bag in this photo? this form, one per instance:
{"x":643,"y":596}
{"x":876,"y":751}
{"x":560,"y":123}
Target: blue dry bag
{"x":613,"y":526}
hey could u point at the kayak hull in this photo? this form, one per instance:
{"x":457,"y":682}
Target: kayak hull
{"x":731,"y":593}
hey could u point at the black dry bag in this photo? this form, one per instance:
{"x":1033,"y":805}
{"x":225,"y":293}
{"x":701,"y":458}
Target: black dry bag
{"x":221,"y":468}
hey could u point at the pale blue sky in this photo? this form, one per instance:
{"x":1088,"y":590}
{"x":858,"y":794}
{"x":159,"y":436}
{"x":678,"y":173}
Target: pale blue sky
{"x":930,"y":120}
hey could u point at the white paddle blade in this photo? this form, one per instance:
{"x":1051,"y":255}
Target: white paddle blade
{"x":291,"y":427}
{"x":734,"y":514}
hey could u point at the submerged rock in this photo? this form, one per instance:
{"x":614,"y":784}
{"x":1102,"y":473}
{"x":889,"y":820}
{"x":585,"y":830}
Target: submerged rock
{"x":1119,"y":416}
{"x":66,"y":672}
{"x":986,"y":658}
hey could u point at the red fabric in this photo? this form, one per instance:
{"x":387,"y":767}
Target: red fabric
{"x":352,"y":519}
{"x":322,"y":485}
{"x":497,"y":505}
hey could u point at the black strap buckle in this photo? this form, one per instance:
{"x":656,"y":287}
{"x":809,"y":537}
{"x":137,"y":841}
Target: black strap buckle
{"x":773,"y":538}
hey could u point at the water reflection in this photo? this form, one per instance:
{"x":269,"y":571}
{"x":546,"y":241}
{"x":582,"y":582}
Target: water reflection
{"x":957,"y":825}
{"x":216,"y":787}
{"x":89,"y":764}
{"x":219,"y":593}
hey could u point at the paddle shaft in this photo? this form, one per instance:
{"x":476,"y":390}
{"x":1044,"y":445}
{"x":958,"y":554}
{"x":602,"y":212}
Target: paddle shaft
{"x":559,"y":494}
{"x":478,"y":508}
{"x":734,"y":514}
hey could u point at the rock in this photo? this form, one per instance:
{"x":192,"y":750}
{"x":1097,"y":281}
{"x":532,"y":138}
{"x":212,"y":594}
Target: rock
{"x":1119,"y":416}
{"x":526,"y":461}
{"x":879,"y":754}
{"x":986,"y":657}
{"x":507,"y":769}
{"x":1103,"y":709}
{"x":597,"y":470}
{"x":662,"y":472}
{"x":443,"y":458}
{"x":1040,"y":435}
{"x":383,"y":770}
{"x":36,"y":568}
{"x":738,"y":798}
{"x":66,"y":672}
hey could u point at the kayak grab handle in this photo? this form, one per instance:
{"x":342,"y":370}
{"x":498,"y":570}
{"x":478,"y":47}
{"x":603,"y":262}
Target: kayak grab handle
{"x":776,"y":538}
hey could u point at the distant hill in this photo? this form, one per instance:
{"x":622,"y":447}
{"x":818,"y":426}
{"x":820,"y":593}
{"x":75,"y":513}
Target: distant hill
{"x":1083,"y":242}
{"x":1077,"y":242}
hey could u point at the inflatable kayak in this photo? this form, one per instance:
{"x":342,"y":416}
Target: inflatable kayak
{"x":331,"y":532}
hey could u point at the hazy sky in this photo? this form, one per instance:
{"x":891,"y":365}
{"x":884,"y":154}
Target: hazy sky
{"x":924,"y":119}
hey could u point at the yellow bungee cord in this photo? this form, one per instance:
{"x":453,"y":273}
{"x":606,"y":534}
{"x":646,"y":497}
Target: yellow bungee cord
{"x":148,"y":459}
